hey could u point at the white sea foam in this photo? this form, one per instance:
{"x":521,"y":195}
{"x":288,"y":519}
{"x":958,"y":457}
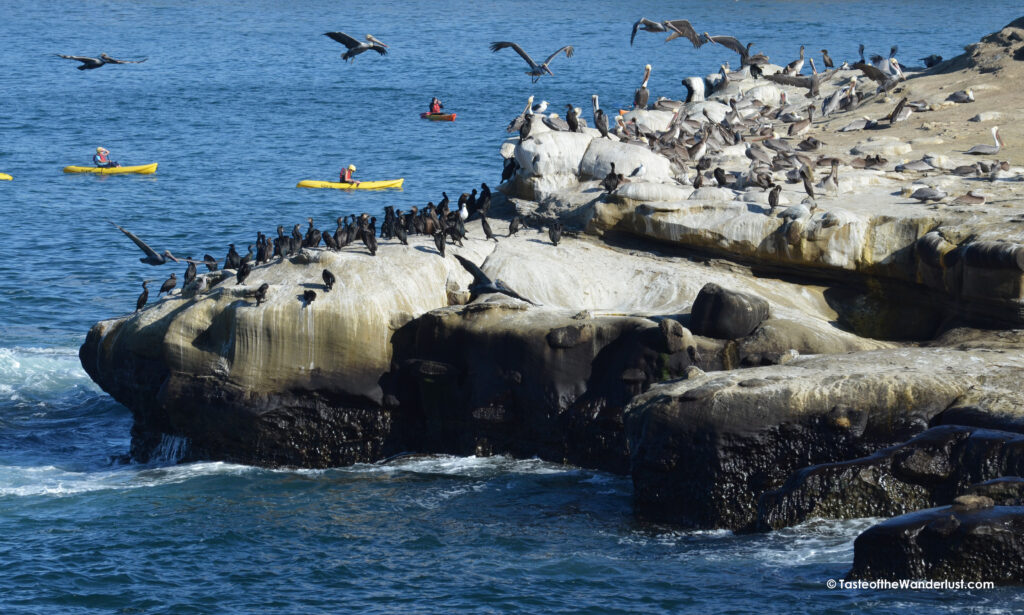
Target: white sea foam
{"x":28,"y":373}
{"x":54,"y":481}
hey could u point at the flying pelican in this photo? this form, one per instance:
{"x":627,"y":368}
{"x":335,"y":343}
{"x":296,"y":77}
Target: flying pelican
{"x":600,"y":119}
{"x":536,"y":70}
{"x":90,"y":63}
{"x":152,"y":258}
{"x":731,"y":42}
{"x":988,"y":150}
{"x":356,"y":47}
{"x":678,"y":27}
{"x":641,"y":95}
{"x":812,"y":82}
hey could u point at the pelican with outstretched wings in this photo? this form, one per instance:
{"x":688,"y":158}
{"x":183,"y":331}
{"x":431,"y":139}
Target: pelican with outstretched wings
{"x":356,"y":46}
{"x":88,"y":63}
{"x":151,"y":258}
{"x":536,"y":70}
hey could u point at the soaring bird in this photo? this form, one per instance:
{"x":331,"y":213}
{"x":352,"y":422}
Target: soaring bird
{"x":482,"y":285}
{"x":677,"y":28}
{"x":356,"y":47}
{"x":536,"y":70}
{"x":152,"y":258}
{"x":641,"y":95}
{"x":90,"y":63}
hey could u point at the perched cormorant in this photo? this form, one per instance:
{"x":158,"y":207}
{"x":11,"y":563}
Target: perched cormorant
{"x":152,"y":258}
{"x":487,"y":228}
{"x":308,"y":296}
{"x":355,"y":46}
{"x":513,"y":227}
{"x":243,"y":272}
{"x":600,"y":119}
{"x":555,"y":232}
{"x":168,"y":285}
{"x":143,"y":297}
{"x":572,"y":119}
{"x":329,"y":279}
{"x":482,"y":285}
{"x":773,"y":197}
{"x":536,"y":70}
{"x":261,"y":293}
{"x":190,"y":271}
{"x":439,"y":242}
{"x":232,"y":260}
{"x":827,"y":59}
{"x":210,"y":262}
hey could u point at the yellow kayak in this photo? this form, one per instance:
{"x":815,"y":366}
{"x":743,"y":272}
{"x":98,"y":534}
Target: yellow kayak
{"x":141,"y":169}
{"x":5,"y":176}
{"x":378,"y":185}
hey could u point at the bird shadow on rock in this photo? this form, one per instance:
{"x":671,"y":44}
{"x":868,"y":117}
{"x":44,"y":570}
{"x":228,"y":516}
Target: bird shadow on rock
{"x":540,"y":241}
{"x":313,"y":286}
{"x":427,"y":250}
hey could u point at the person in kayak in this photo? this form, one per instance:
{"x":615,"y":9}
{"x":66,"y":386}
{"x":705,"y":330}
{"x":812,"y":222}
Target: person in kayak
{"x":435,"y":106}
{"x":102,"y":158}
{"x":346,"y":175}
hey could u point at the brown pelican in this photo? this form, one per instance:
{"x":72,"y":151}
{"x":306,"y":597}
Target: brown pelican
{"x":801,"y":126}
{"x":963,"y":96}
{"x":536,"y":70}
{"x":731,"y":42}
{"x":517,"y":122}
{"x":600,"y":119}
{"x":152,"y":258}
{"x":971,"y":198}
{"x":90,"y":63}
{"x":827,"y":59}
{"x":811,"y":82}
{"x":928,"y":194}
{"x":988,"y":150}
{"x":356,"y":47}
{"x":794,"y":67}
{"x":695,"y":89}
{"x":682,"y":28}
{"x":641,"y":95}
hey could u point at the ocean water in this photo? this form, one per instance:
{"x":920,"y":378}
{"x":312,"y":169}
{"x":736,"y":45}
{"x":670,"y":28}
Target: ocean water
{"x":237,"y":102}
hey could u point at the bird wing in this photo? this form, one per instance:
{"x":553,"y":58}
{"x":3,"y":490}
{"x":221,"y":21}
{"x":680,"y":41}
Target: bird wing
{"x":794,"y":80}
{"x":643,"y":21}
{"x":731,"y":42}
{"x":381,"y":49}
{"x":568,"y":53}
{"x":479,"y":277}
{"x":505,"y":290}
{"x":85,"y":59}
{"x":499,"y":45}
{"x":110,"y":60}
{"x":682,"y":27}
{"x":871,"y":72}
{"x":142,"y":244}
{"x":344,"y":39}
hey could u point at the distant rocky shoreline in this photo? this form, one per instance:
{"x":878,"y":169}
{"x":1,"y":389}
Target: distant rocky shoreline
{"x":751,"y":364}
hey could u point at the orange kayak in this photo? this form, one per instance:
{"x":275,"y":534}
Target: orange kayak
{"x":438,"y":117}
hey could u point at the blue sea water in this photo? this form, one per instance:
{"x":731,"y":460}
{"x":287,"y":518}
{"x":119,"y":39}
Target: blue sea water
{"x":239,"y":100}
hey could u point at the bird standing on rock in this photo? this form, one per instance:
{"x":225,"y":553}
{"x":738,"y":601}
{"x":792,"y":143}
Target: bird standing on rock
{"x":555,"y":232}
{"x":439,"y":242}
{"x":487,"y":229}
{"x":513,"y":227}
{"x":308,"y":296}
{"x":168,"y":285}
{"x":261,"y":293}
{"x":243,"y":272}
{"x":143,"y":297}
{"x":329,"y":279}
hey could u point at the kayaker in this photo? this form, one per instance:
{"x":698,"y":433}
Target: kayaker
{"x":435,"y":106}
{"x":102,"y":158}
{"x":346,"y":175}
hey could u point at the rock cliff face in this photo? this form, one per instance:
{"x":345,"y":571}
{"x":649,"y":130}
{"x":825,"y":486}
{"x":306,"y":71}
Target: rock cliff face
{"x":389,"y":361}
{"x":705,"y":449}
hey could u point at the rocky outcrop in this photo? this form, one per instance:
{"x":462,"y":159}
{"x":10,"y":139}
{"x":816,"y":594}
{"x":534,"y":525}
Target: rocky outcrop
{"x":972,"y":540}
{"x":352,"y":375}
{"x":726,"y":314}
{"x":705,"y":449}
{"x":929,"y":470}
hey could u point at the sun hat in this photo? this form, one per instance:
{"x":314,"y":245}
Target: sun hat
{"x":351,"y":167}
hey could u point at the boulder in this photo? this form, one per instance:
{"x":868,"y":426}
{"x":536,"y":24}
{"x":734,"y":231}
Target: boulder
{"x":971,"y":541}
{"x":931,"y":469}
{"x":726,"y":314}
{"x":596,"y":163}
{"x":705,"y":449}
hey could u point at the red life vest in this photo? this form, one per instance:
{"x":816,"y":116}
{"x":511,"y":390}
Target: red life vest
{"x":435,"y":108}
{"x":345,"y":176}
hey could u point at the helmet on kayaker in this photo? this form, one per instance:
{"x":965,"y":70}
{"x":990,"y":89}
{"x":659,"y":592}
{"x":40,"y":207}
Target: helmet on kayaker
{"x":351,"y":167}
{"x":102,"y":150}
